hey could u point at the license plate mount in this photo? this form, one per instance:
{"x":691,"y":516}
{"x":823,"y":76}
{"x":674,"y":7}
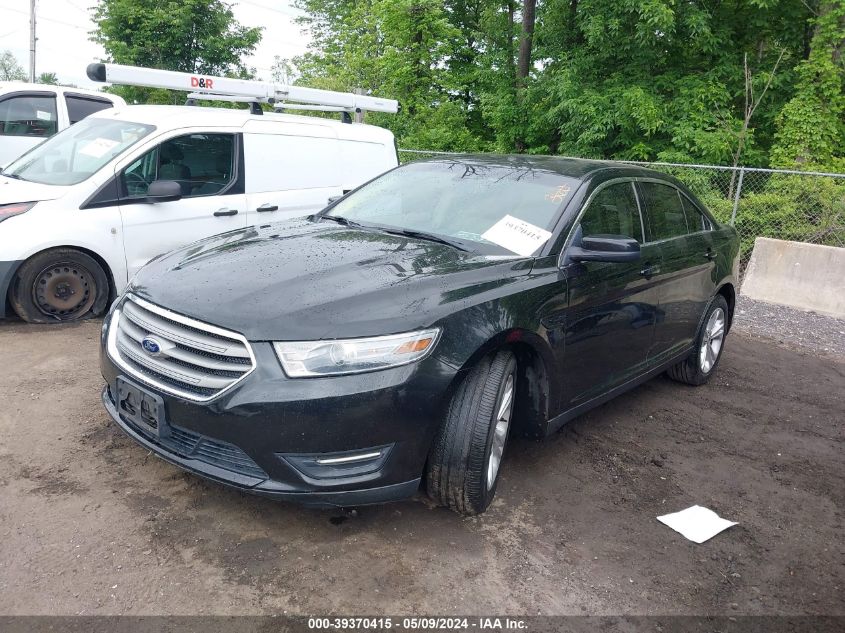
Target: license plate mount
{"x":139,"y":407}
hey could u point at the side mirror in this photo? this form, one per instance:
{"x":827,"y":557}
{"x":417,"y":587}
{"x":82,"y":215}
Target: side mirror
{"x":333,"y":199}
{"x":605,"y":248}
{"x":164,"y":191}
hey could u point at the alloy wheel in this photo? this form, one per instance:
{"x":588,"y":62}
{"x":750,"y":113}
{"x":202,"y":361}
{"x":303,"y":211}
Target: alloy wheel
{"x":504,"y":409}
{"x":712,"y":339}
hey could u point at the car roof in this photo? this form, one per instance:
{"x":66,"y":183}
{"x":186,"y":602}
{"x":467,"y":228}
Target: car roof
{"x":179,"y":116}
{"x":578,"y":168}
{"x":21,"y":86}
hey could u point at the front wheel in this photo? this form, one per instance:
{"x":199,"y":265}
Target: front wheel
{"x":463,"y":467}
{"x":60,"y":284}
{"x":701,"y":364}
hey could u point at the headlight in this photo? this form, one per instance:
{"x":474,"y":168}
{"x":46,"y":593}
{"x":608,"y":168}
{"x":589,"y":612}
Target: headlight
{"x":9,"y":210}
{"x":302,"y":359}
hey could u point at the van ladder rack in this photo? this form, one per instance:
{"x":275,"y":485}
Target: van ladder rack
{"x":242,"y":90}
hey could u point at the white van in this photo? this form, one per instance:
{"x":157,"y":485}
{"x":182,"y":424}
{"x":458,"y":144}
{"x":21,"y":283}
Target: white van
{"x":31,"y":113}
{"x":83,"y":211}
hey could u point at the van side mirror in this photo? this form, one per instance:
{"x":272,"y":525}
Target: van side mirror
{"x":164,"y":191}
{"x":333,"y":199}
{"x":605,"y":248}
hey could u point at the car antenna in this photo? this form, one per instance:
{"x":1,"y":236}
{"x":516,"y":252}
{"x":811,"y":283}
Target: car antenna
{"x":249,"y":91}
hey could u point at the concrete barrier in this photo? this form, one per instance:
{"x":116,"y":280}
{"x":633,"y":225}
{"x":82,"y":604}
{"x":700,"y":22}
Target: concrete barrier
{"x":804,"y":276}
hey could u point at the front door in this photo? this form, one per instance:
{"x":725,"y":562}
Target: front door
{"x":612,"y":306}
{"x":205,"y":167}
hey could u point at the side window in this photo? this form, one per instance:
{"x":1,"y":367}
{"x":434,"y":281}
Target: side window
{"x":80,"y":107}
{"x":613,"y":211}
{"x":23,"y":115}
{"x":202,"y":164}
{"x":664,"y":211}
{"x":696,"y":220}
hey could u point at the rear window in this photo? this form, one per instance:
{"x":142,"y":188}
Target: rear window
{"x":664,"y":210}
{"x":80,"y":107}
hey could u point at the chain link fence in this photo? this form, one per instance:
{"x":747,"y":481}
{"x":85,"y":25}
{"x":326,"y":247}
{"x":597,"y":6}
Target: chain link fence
{"x":782,"y":204}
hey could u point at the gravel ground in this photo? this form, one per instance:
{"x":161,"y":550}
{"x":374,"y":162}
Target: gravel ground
{"x":91,"y":523}
{"x":808,"y":330}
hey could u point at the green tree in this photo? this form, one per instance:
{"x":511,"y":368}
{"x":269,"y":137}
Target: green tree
{"x":50,"y":79}
{"x":195,"y":36}
{"x":699,"y":80}
{"x":811,"y":127}
{"x":10,"y":69}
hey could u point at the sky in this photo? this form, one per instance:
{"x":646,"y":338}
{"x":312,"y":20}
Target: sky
{"x":63,"y":47}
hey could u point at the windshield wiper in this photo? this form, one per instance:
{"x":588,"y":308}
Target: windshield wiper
{"x":15,"y":176}
{"x":342,"y":220}
{"x":422,"y":235}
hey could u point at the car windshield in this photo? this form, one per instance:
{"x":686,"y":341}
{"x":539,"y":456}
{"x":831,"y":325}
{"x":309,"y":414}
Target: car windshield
{"x":494,"y":209}
{"x":76,"y":153}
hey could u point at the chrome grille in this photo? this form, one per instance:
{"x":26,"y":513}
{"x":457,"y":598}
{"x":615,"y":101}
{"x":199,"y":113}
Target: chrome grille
{"x":195,"y":360}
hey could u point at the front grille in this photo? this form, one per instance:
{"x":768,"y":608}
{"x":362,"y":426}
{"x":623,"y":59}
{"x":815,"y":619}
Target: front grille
{"x":186,"y":443}
{"x":195,"y":360}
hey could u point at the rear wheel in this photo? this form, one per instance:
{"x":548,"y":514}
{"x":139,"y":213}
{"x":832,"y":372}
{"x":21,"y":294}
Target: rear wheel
{"x":701,"y":364}
{"x":463,"y":467}
{"x":60,"y":284}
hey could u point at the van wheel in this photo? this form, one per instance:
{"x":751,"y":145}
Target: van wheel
{"x":60,"y":284}
{"x":701,"y":364}
{"x":463,"y":467}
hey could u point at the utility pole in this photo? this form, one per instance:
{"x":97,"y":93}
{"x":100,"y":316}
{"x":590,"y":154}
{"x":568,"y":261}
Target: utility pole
{"x":32,"y":41}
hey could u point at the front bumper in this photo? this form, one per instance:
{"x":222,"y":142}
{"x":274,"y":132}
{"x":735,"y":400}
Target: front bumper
{"x":263,"y":436}
{"x":7,"y":273}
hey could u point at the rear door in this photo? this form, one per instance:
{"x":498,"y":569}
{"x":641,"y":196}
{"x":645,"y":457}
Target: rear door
{"x":686,"y":274}
{"x":292,"y":169}
{"x":612,"y":306}
{"x":207,"y":167}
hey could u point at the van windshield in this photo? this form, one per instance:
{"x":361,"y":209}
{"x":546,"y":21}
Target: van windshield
{"x":74,"y":154}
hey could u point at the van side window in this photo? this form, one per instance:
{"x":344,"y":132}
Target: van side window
{"x":664,"y":211}
{"x":80,"y":107}
{"x":28,"y":115}
{"x":613,"y":211}
{"x":202,"y":164}
{"x":696,"y":220}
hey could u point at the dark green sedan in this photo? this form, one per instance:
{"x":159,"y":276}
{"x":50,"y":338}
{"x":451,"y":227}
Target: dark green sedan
{"x":396,"y":339}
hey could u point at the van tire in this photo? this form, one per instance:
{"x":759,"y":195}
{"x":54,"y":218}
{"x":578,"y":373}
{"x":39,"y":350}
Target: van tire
{"x":59,"y":285}
{"x":457,"y":470}
{"x":693,"y":370}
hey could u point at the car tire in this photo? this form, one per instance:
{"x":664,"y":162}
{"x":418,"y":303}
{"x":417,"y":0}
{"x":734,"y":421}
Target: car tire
{"x":463,"y":466}
{"x":59,"y":285}
{"x":709,"y":344}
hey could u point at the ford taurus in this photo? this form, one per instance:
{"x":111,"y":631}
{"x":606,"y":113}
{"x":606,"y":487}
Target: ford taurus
{"x":397,"y":338}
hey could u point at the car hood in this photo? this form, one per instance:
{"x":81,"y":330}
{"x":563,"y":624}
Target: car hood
{"x":12,"y":190}
{"x":302,"y":280}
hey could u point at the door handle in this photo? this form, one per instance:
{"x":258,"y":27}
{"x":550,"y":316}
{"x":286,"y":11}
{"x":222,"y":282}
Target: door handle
{"x":710,"y":255}
{"x":650,"y":271}
{"x":267,"y":207}
{"x":225,"y":211}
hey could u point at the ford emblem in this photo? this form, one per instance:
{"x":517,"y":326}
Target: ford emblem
{"x":151,"y":346}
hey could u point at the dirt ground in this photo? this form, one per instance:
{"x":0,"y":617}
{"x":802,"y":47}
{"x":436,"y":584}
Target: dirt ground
{"x":93,"y":524}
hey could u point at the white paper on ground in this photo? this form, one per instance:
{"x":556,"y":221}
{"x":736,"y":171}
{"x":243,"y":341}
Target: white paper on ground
{"x":698,"y":524}
{"x":517,"y":235}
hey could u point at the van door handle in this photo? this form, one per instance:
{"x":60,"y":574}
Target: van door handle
{"x":225,"y":211}
{"x":267,"y":207}
{"x":650,"y":271}
{"x":710,"y":255}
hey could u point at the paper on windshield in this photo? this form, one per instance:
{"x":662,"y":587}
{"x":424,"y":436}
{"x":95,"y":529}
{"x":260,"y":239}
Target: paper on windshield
{"x":98,"y":147}
{"x":519,"y":236}
{"x":41,"y":115}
